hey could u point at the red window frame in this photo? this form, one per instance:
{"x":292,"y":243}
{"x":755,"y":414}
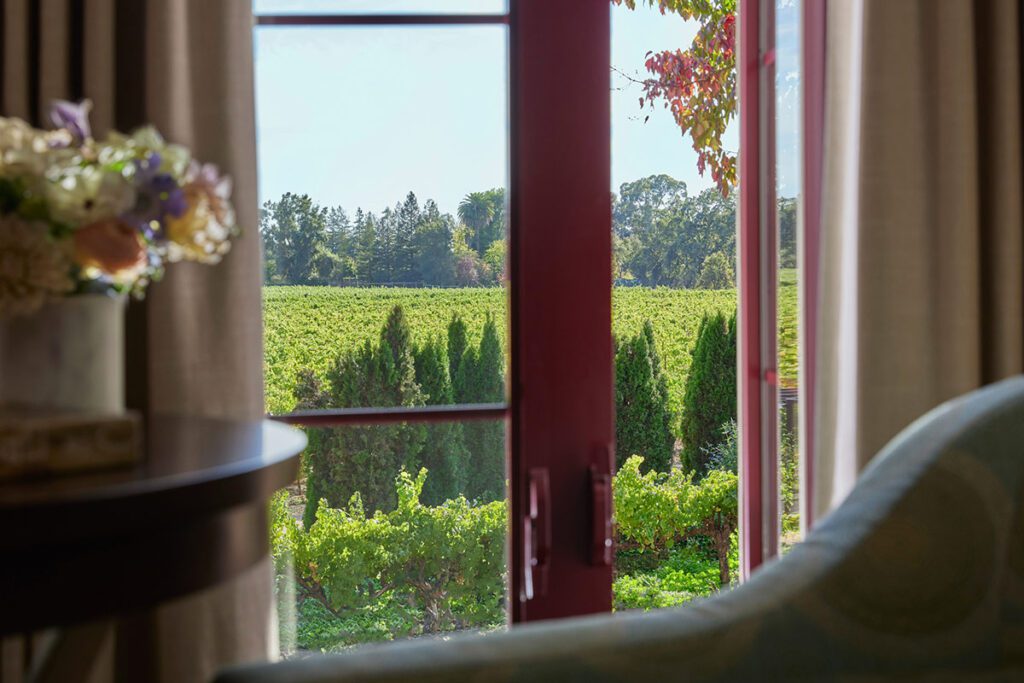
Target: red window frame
{"x":756,"y":324}
{"x":758,"y":270}
{"x":561,"y":384}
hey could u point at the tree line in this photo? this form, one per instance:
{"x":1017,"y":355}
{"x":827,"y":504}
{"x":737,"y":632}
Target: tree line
{"x":407,"y":244}
{"x":663,"y":236}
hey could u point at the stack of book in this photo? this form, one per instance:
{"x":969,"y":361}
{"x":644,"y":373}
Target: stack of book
{"x":36,"y":442}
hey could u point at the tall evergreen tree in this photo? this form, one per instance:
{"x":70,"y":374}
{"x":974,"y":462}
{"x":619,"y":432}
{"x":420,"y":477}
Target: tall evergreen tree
{"x":407,"y":219}
{"x":338,"y":230}
{"x":311,"y":394}
{"x":482,"y":375}
{"x":385,"y":252}
{"x":709,"y":401}
{"x":643,"y":422}
{"x":364,"y":248}
{"x":660,"y":381}
{"x":444,"y":452}
{"x":458,"y":345}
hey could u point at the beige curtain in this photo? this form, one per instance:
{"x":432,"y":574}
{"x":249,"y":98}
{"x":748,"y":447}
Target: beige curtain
{"x":185,"y":66}
{"x":923,"y":241}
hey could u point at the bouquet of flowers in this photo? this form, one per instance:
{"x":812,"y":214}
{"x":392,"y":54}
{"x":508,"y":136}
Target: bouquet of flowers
{"x":79,"y":215}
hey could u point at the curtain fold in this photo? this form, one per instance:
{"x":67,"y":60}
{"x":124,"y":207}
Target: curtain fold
{"x":923,"y":219}
{"x":185,"y":66}
{"x":205,"y":353}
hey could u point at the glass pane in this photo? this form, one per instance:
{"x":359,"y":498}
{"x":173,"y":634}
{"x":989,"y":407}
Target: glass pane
{"x":383,"y":157}
{"x":392,"y":531}
{"x":788,"y":181}
{"x":380,"y":6}
{"x":674,"y":302}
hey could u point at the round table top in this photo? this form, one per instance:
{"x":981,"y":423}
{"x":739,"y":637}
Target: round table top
{"x":190,"y":514}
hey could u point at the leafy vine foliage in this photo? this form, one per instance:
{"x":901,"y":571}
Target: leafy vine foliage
{"x":445,"y":562}
{"x":698,"y":84}
{"x":660,"y":509}
{"x":428,"y":569}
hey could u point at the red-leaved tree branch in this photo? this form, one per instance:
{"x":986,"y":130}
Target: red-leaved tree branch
{"x":698,"y":85}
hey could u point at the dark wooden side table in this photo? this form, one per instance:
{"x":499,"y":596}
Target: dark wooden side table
{"x":191,"y":515}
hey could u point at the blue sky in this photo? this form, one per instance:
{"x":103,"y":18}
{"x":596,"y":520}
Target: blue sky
{"x":359,"y":116}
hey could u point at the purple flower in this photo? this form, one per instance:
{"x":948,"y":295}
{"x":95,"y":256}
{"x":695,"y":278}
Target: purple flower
{"x":158,"y":196}
{"x":72,"y":117}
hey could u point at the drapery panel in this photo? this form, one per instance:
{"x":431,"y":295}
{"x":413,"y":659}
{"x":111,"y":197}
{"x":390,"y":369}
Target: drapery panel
{"x":922,"y":290}
{"x":195,"y":346}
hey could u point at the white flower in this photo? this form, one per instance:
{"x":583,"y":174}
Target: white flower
{"x":83,"y":194}
{"x":33,"y":268}
{"x":27,"y":151}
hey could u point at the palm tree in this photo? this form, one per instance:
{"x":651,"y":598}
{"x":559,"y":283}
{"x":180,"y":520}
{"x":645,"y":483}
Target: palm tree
{"x":476,"y":210}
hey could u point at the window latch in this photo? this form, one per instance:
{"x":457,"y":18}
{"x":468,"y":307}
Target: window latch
{"x":536,"y":535}
{"x":601,"y":517}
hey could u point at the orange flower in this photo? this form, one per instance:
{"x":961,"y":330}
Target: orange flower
{"x":109,"y":245}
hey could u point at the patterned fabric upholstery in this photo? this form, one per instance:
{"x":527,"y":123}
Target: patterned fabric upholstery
{"x":919,"y":575}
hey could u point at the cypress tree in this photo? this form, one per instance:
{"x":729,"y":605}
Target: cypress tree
{"x":642,"y":417}
{"x":660,"y":380}
{"x":489,"y":383}
{"x":458,"y":344}
{"x":444,"y":451}
{"x":397,"y":351}
{"x":482,"y":375}
{"x":709,"y":401}
{"x":310,"y":394}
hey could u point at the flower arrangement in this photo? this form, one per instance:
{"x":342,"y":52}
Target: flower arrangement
{"x":79,"y":215}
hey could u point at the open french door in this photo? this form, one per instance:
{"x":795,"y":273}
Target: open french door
{"x":562,"y":417}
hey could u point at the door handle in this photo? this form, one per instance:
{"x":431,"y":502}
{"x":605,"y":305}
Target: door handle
{"x":536,"y":534}
{"x":601,"y":517}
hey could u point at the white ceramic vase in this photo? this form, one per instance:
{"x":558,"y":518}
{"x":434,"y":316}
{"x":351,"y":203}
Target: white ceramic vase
{"x":69,"y":355}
